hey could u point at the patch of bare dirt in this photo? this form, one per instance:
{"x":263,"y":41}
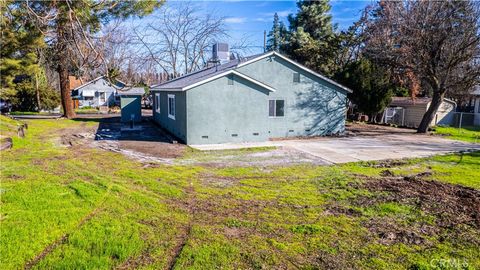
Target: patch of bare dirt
{"x":456,"y":208}
{"x":74,"y":136}
{"x":281,"y":156}
{"x":135,"y":262}
{"x":364,"y":129}
{"x":147,"y":145}
{"x":156,"y":149}
{"x":391,"y":231}
{"x":389,"y":163}
{"x":451,"y":204}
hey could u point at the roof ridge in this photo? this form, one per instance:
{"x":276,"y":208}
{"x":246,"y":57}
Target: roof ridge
{"x":195,"y":72}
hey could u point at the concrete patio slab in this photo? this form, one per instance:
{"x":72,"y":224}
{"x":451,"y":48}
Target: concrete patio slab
{"x":361,"y":148}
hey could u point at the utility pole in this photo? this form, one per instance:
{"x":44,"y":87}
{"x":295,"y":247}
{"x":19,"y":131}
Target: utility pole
{"x":264,"y":40}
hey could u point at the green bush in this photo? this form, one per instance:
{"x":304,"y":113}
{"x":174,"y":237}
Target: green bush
{"x":25,"y":97}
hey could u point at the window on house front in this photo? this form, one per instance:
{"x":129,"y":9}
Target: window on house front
{"x":102,"y":97}
{"x":157,"y":102}
{"x":296,"y":77}
{"x":171,"y":106}
{"x":276,"y":108}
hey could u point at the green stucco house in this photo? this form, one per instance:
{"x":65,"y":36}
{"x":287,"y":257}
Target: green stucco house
{"x":250,"y":99}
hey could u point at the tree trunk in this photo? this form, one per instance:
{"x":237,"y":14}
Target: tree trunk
{"x":62,"y":69}
{"x":67,"y":103}
{"x":437,"y":99}
{"x":37,"y":93}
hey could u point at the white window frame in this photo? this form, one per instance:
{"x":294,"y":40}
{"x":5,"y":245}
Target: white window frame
{"x":171,"y":116}
{"x":157,"y":102}
{"x":275,"y":108}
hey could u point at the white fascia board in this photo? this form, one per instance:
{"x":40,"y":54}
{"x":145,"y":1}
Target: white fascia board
{"x":256,"y":59}
{"x":166,"y":89}
{"x":298,"y":65}
{"x":227,"y":73}
{"x":87,"y":83}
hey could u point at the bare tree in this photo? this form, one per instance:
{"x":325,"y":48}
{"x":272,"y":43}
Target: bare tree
{"x":69,"y":26}
{"x":437,"y":42}
{"x":179,"y":39}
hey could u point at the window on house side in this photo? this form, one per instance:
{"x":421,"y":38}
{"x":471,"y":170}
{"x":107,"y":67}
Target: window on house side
{"x":157,"y":102}
{"x":276,"y":108}
{"x":230,"y":80}
{"x":171,"y":106}
{"x":296,"y":77}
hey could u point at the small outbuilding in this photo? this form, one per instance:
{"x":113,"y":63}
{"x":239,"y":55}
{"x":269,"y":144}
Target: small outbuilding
{"x":131,"y":104}
{"x":408,"y":112}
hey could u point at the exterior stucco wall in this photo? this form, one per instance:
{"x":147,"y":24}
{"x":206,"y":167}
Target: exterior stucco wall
{"x":101,"y":85}
{"x":218,"y":110}
{"x":131,"y":106}
{"x":177,"y":126}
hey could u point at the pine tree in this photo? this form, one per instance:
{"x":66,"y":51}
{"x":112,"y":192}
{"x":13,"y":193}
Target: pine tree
{"x":371,"y":85}
{"x":312,"y":39}
{"x":19,"y":42}
{"x":315,"y":19}
{"x":277,"y":36}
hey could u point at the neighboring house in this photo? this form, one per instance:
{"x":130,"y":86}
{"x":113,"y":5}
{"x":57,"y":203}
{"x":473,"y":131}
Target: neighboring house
{"x":405,"y":111}
{"x":251,"y":99}
{"x":97,"y":92}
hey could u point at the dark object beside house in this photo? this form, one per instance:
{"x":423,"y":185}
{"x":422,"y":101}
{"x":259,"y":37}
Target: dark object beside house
{"x":131,"y":104}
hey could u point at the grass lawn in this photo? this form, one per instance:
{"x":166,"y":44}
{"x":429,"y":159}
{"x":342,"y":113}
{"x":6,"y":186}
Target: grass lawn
{"x":468,"y":134}
{"x":84,"y":208}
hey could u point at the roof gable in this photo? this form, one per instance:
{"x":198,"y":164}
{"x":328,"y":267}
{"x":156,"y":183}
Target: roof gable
{"x":304,"y":68}
{"x":205,"y":79}
{"x":118,"y":84}
{"x":205,"y":75}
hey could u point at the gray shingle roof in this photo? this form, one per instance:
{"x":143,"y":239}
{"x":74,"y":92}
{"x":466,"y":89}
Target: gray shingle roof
{"x":202,"y":74}
{"x":408,"y":101}
{"x":134,"y":91}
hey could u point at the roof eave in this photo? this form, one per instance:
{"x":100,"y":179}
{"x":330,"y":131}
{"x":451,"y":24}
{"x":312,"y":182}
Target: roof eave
{"x":176,"y":89}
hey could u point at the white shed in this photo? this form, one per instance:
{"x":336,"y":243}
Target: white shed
{"x":405,"y":111}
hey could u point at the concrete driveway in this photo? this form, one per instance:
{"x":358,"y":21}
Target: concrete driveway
{"x":361,"y":148}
